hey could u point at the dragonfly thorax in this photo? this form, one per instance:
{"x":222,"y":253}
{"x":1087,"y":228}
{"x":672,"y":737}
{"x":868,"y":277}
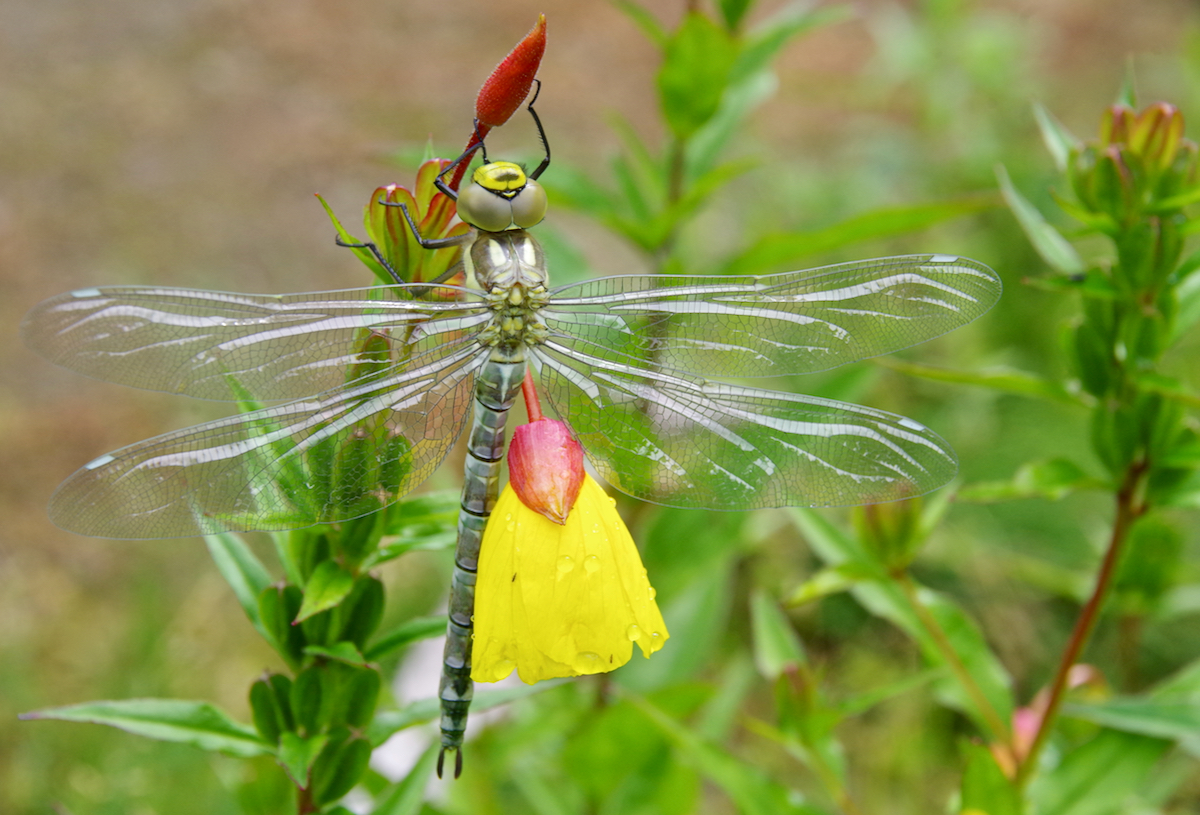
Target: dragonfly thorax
{"x":503,"y":260}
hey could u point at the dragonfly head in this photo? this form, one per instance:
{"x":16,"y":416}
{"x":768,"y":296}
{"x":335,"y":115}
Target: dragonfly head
{"x":502,"y":197}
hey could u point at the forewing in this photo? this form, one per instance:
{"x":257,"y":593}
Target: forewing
{"x":683,"y":441}
{"x":790,"y":323}
{"x":217,"y":345}
{"x":338,"y":456}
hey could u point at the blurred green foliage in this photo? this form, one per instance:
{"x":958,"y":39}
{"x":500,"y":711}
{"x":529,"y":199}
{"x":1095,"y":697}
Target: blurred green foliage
{"x":895,"y":668}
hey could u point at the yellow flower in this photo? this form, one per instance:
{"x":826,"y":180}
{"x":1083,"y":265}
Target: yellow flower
{"x":560,"y":599}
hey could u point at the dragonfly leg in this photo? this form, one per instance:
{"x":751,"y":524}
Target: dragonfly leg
{"x":429,"y":243}
{"x":541,"y":168}
{"x":374,"y":250}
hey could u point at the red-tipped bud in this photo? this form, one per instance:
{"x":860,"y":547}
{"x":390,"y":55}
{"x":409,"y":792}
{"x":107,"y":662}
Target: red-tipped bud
{"x":545,"y":468}
{"x":1116,"y":124}
{"x":509,"y":84}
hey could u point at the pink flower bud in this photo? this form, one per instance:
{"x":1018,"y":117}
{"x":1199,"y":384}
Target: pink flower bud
{"x":545,"y":468}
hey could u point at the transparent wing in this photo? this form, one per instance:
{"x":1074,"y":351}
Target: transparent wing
{"x":679,"y":440}
{"x":331,"y":458}
{"x":209,"y":344}
{"x":790,"y":323}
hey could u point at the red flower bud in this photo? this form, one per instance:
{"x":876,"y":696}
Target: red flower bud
{"x":509,"y":84}
{"x":545,"y":468}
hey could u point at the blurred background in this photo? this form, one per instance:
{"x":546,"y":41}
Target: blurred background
{"x":180,"y":143}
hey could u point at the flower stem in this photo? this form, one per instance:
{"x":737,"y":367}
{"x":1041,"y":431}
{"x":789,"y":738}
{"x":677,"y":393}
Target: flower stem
{"x":533,"y":405}
{"x":1129,"y":509}
{"x":992,"y":718}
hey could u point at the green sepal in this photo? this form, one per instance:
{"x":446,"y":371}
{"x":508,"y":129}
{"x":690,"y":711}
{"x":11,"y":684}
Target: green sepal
{"x":1115,"y":439}
{"x":318,"y":629}
{"x":358,"y":616}
{"x":1092,"y":358}
{"x":278,"y":606}
{"x":271,"y":712}
{"x":310,"y":705}
{"x":308,"y":550}
{"x":338,"y":768}
{"x":358,"y":693}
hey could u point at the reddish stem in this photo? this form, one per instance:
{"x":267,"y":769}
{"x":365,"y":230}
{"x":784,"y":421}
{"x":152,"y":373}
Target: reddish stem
{"x":533,"y":405}
{"x":1129,"y":509}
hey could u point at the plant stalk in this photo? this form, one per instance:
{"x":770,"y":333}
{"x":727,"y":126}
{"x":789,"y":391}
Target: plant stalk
{"x":1129,"y":509}
{"x":991,"y":717}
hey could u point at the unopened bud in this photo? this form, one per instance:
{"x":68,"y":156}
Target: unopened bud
{"x":545,"y":468}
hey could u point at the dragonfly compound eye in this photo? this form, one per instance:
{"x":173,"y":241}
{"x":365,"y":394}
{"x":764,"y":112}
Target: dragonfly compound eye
{"x":500,"y":197}
{"x":529,"y":205}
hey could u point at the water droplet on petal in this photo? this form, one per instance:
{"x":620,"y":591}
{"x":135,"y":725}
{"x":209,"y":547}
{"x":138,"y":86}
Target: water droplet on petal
{"x":634,"y":633}
{"x":565,"y":564}
{"x":652,"y":592}
{"x":587,"y":662}
{"x":503,"y":668}
{"x":511,"y":526}
{"x":591,"y":564}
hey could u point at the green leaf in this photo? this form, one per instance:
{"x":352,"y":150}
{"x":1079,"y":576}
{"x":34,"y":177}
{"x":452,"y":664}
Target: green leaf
{"x":1100,"y":777}
{"x":338,"y":768}
{"x":1053,"y":479}
{"x":1004,"y":380}
{"x":199,"y":724}
{"x":339,"y":652}
{"x":244,"y":573}
{"x":985,"y":787}
{"x":862,"y":702}
{"x":406,"y":797}
{"x":1053,"y":247}
{"x":694,"y":74}
{"x":297,"y":755}
{"x":362,"y":254}
{"x":776,"y":645}
{"x":420,"y":628}
{"x":390,"y":722}
{"x":1058,"y":140}
{"x":885,"y":599}
{"x":732,"y":12}
{"x":786,"y":250}
{"x":833,"y":580}
{"x":1145,"y":717}
{"x":327,"y":587}
{"x":751,"y":791}
{"x":646,"y":21}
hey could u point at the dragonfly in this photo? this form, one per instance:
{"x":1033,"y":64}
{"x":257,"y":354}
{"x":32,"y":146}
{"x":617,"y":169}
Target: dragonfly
{"x":632,"y":363}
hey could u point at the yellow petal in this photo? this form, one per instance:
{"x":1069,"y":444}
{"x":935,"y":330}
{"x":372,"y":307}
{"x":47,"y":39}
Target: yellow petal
{"x":560,"y":600}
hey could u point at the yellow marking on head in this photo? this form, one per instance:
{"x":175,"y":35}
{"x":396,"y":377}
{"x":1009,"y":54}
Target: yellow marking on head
{"x":502,"y":177}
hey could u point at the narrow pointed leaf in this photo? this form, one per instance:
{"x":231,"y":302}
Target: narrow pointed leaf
{"x":1052,"y":246}
{"x":409,"y":793}
{"x":243,"y":571}
{"x":404,"y":634}
{"x":199,"y":724}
